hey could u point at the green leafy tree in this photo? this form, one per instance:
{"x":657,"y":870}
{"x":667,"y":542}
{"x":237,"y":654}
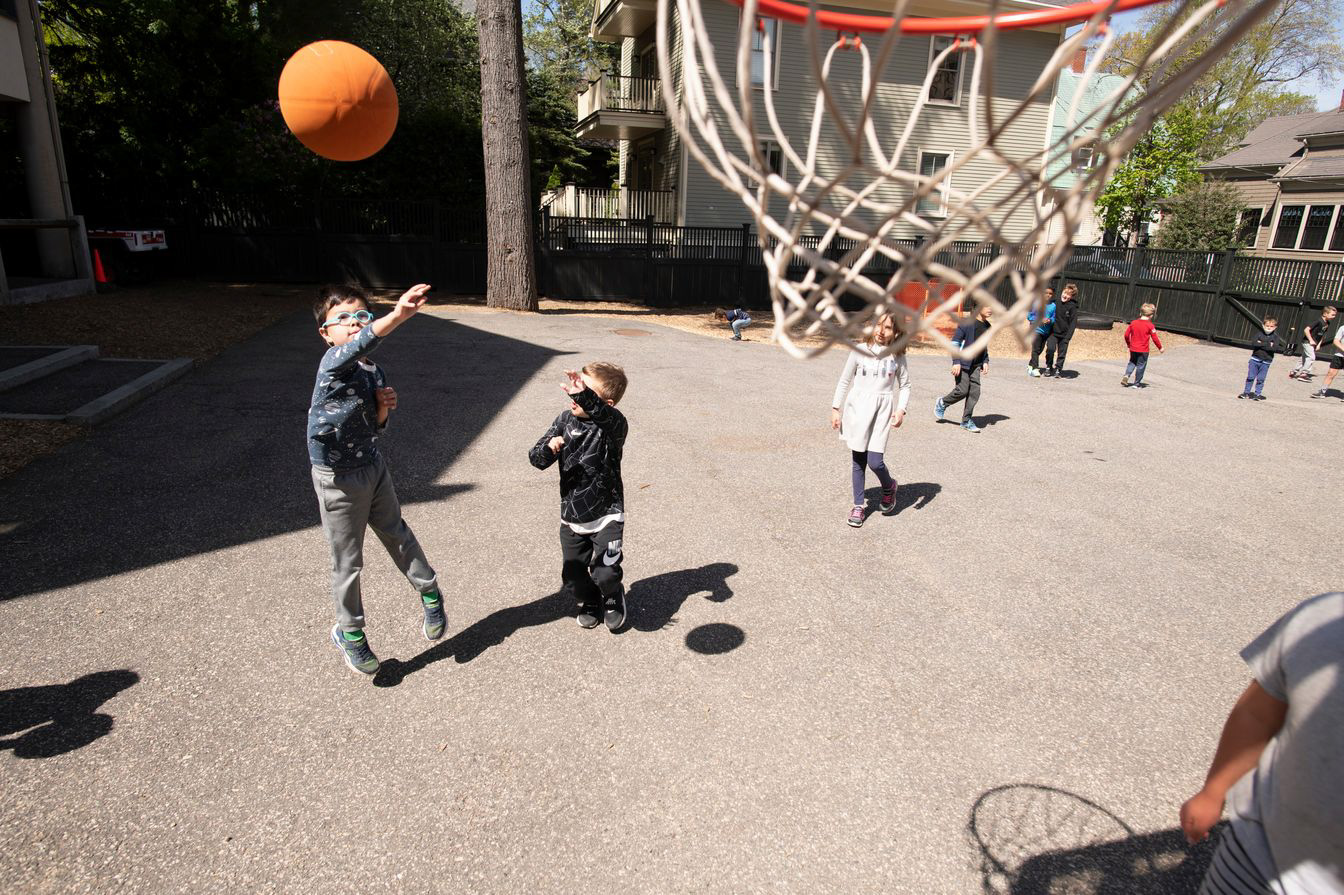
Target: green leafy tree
{"x":1202,"y":217}
{"x":556,"y":34}
{"x":1298,"y":41}
{"x":1164,"y":162}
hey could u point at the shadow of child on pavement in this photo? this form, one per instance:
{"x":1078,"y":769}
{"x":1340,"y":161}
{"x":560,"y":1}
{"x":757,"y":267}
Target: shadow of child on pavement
{"x":58,"y":718}
{"x":653,"y":604}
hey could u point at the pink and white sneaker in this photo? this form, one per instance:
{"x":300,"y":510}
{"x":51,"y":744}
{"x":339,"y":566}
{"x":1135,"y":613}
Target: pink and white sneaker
{"x":856,"y":517}
{"x":888,"y":498}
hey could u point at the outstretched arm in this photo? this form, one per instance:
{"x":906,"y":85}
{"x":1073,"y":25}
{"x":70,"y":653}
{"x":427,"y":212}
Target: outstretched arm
{"x":1253,"y":722}
{"x":344,"y":357}
{"x":411,"y":301}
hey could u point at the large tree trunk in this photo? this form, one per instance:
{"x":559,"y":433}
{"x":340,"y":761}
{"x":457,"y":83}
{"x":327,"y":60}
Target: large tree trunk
{"x":511,"y":278}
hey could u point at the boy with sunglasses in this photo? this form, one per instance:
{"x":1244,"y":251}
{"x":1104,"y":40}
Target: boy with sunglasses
{"x":351,"y":404}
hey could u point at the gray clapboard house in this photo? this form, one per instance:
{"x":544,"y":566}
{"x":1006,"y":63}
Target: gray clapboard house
{"x":1290,"y":174}
{"x":658,"y":178}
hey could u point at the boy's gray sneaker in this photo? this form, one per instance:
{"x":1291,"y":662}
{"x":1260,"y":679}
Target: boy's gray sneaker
{"x":434,"y":620}
{"x":939,"y":408}
{"x":970,"y":426}
{"x":357,"y":653}
{"x":614,"y":611}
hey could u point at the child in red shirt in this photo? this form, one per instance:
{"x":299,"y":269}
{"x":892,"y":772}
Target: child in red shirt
{"x":1137,"y":335}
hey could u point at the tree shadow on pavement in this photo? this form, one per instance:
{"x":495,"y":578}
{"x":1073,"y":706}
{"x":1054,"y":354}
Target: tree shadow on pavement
{"x":58,"y":718}
{"x":1039,"y":840}
{"x":219,"y":459}
{"x":652,"y":604}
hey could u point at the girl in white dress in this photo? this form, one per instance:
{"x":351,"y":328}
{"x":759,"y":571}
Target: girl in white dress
{"x":872,"y":408}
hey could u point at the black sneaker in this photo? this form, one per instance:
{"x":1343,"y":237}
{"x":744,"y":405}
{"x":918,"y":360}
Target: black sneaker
{"x":1244,"y":395}
{"x":357,"y":653}
{"x":1319,"y":394}
{"x":1261,"y":398}
{"x":434,"y":620}
{"x":614,"y":614}
{"x":1048,"y":372}
{"x":588,"y":616}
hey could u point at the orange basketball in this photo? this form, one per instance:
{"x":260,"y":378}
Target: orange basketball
{"x":338,"y":100}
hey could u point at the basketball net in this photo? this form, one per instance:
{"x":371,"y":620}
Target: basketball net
{"x":857,"y":227}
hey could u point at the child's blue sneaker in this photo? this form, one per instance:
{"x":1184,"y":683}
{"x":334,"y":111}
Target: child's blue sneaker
{"x":939,"y":408}
{"x":970,"y":426}
{"x":434,"y":620}
{"x":357,"y":653}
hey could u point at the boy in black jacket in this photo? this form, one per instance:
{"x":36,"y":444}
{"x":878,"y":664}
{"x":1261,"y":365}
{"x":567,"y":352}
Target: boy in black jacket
{"x":967,"y":372}
{"x":1263,"y":346}
{"x":588,"y":439}
{"x":1066,"y":318}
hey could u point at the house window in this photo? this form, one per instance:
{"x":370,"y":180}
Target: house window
{"x":774,"y":157}
{"x":935,"y":204}
{"x":946,"y":84}
{"x":1082,"y":158}
{"x":645,"y":154}
{"x":1318,"y":226}
{"x":766,"y":30}
{"x":1337,"y":241}
{"x":1248,"y":226}
{"x":1290,"y":222}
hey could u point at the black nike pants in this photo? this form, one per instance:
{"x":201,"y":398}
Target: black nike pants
{"x":592,"y":564}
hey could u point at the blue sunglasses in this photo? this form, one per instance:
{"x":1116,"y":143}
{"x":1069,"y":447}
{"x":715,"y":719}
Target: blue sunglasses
{"x":346,"y":318}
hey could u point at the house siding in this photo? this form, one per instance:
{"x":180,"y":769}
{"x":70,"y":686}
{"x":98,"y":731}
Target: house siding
{"x":1266,"y":195}
{"x":1021,"y":57}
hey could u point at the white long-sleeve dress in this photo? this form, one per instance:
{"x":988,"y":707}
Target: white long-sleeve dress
{"x":868,"y":388}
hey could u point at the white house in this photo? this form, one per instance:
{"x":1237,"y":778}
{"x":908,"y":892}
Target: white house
{"x":659,"y":178}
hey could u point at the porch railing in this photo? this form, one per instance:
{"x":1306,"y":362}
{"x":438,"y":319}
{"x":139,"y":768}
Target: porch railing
{"x":572,"y":201}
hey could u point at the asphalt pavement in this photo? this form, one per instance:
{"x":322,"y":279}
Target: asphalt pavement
{"x":1014,"y":679}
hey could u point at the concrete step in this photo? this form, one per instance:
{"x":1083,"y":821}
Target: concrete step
{"x":91,"y":390}
{"x":24,"y":363}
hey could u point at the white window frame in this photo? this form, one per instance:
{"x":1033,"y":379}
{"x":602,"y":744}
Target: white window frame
{"x":768,"y":146}
{"x":1255,"y":235}
{"x":943,"y":188}
{"x":771,"y":26}
{"x":1302,"y":228}
{"x":639,"y":62}
{"x":1329,"y":225}
{"x":933,"y":53}
{"x":1274,"y":231}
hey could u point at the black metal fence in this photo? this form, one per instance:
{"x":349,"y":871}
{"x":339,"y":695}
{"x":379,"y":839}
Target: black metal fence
{"x":383,"y":243}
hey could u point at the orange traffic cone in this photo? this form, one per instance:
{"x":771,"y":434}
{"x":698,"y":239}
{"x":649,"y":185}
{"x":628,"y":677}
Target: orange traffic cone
{"x":99,"y":275}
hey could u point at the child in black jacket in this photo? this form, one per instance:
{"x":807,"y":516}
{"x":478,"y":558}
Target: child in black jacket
{"x":588,"y":440}
{"x":1066,"y":318}
{"x":1263,"y":346}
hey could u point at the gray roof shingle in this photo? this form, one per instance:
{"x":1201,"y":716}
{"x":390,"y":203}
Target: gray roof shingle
{"x":1275,"y":140}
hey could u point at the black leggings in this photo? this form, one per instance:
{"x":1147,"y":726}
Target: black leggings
{"x":875,"y":463}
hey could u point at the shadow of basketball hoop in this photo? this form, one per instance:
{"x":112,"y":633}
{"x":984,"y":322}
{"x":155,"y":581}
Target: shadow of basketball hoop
{"x":1039,"y":840}
{"x":716,"y":638}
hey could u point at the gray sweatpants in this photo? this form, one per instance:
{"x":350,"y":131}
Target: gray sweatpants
{"x":350,"y":500}
{"x":1308,"y":358}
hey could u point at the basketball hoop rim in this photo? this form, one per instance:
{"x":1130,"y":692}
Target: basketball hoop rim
{"x":843,"y":21}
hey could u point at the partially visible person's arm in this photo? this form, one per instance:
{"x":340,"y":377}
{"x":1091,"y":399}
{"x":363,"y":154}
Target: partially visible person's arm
{"x":1253,"y":722}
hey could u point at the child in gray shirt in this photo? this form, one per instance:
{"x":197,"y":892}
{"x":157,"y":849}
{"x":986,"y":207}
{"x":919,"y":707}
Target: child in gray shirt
{"x":1280,"y":763}
{"x":351,"y":404}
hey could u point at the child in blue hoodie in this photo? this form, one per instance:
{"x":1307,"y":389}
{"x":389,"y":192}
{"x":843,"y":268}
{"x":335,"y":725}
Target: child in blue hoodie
{"x":1042,"y":332}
